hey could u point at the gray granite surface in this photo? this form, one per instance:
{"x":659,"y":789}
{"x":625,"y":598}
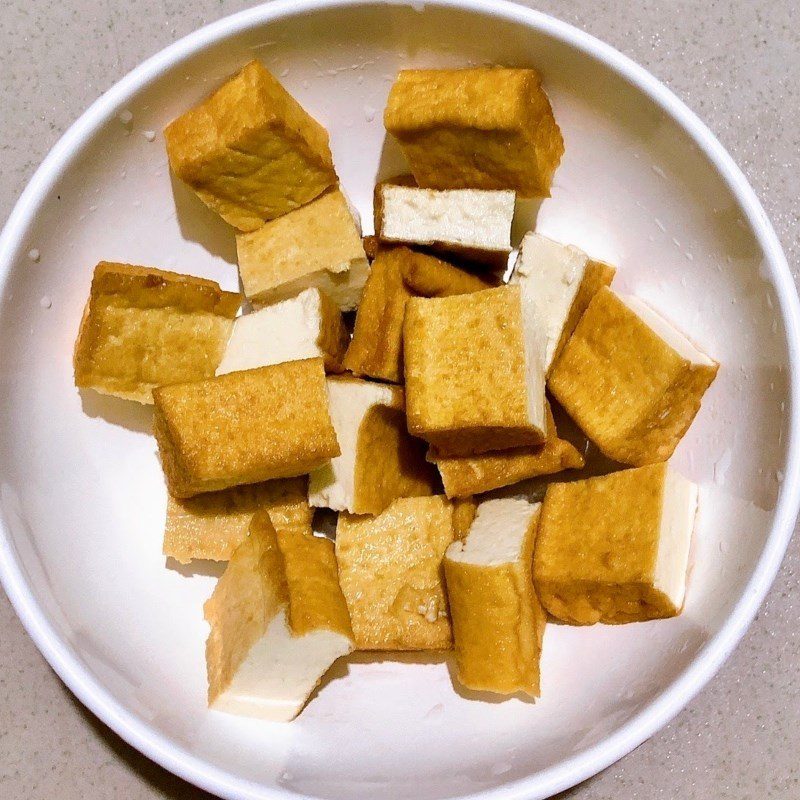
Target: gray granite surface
{"x":738,"y":65}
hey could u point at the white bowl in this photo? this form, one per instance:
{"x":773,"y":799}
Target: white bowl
{"x":643,"y":185}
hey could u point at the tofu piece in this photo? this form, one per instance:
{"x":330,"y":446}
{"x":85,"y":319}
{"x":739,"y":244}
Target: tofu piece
{"x":211,"y":526}
{"x":371,"y":246}
{"x":464,"y":510}
{"x":464,"y":476}
{"x":481,"y":128}
{"x":143,"y":328}
{"x":380,"y":461}
{"x":307,"y":326}
{"x":558,"y":282}
{"x":390,"y":569}
{"x":376,"y":349}
{"x":630,"y":380}
{"x":473,"y":383}
{"x":426,"y":276}
{"x":250,"y":151}
{"x":498,"y":621}
{"x":317,"y":245}
{"x":616,"y":548}
{"x":473,"y":224}
{"x":257,"y":665}
{"x":245,"y":427}
{"x":312,"y":578}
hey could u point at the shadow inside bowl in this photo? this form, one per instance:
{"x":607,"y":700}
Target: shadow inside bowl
{"x":125,"y":413}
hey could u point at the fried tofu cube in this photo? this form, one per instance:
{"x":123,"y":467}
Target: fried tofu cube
{"x":473,"y":382}
{"x":616,"y":548}
{"x":259,"y":664}
{"x":630,"y":380}
{"x":245,"y":427}
{"x":390,"y":569}
{"x":464,"y":510}
{"x":316,"y":600}
{"x":558,"y":282}
{"x":250,"y":151}
{"x":464,"y":476}
{"x":481,"y":128}
{"x":211,"y":526}
{"x":498,"y":621}
{"x":143,"y":328}
{"x":307,"y":326}
{"x":316,"y":245}
{"x":376,"y":349}
{"x":379,"y":461}
{"x":472,"y":224}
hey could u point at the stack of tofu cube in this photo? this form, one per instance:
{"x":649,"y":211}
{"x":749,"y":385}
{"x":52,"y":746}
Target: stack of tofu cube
{"x":402,"y":417}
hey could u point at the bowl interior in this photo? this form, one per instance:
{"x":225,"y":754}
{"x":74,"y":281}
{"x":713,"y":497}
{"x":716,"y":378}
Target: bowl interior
{"x":82,"y":495}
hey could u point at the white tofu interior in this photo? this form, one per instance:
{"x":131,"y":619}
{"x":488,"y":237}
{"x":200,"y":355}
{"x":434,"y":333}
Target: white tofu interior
{"x":677,"y":523}
{"x":497,"y":533}
{"x":281,"y":671}
{"x":465,"y":218}
{"x":333,"y":485}
{"x":285,"y":331}
{"x":549,"y":275}
{"x":674,"y":338}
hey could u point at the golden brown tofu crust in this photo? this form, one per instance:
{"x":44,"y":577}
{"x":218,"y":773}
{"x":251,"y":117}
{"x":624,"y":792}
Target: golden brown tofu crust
{"x":312,"y":576}
{"x":390,"y":569}
{"x":389,"y":462}
{"x":249,"y":594}
{"x":144,"y":327}
{"x":464,"y":510}
{"x":498,"y":623}
{"x":597,"y":547}
{"x":481,"y":128}
{"x":463,"y":476}
{"x":466,"y":385}
{"x":376,"y":349}
{"x":597,"y":275}
{"x":334,"y":337}
{"x":244,"y":427}
{"x":284,"y":256}
{"x":628,"y":390}
{"x":250,"y":151}
{"x":211,"y":526}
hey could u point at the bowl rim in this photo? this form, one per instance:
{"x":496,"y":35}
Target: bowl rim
{"x":671,"y":700}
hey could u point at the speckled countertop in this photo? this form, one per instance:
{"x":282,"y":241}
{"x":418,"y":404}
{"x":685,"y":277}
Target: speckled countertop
{"x":737,"y":65}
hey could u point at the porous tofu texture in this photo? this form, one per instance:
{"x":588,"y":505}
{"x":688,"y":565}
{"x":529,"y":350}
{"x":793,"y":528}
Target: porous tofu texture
{"x":472,"y":223}
{"x":272,"y":638}
{"x":630,"y":380}
{"x":472,"y":383}
{"x":498,"y":621}
{"x":380,"y":461}
{"x":481,"y":128}
{"x":211,"y":526}
{"x":250,"y":151}
{"x":307,"y":326}
{"x":376,"y":349}
{"x":615,"y":548}
{"x":464,"y":476}
{"x":316,"y":245}
{"x":312,"y":578}
{"x":143,"y":327}
{"x":558,"y":282}
{"x":245,"y":427}
{"x":390,"y":569}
